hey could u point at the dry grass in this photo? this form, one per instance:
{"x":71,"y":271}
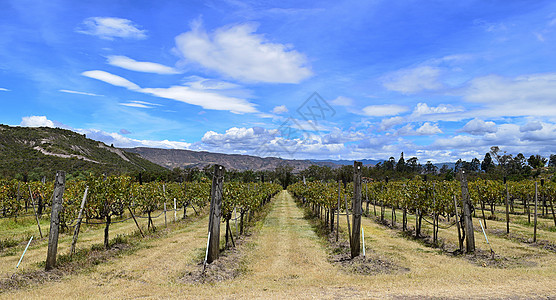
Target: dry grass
{"x":288,"y":260}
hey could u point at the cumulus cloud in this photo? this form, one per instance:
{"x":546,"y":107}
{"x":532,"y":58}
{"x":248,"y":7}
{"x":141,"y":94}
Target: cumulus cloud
{"x":140,"y":66}
{"x":479,"y":127}
{"x":428,"y":129}
{"x":124,"y":131}
{"x":342,"y":101}
{"x":387,"y":124}
{"x":111,"y":79}
{"x":78,"y":93}
{"x":424,"y":109}
{"x":243,"y":138}
{"x":110,"y":28}
{"x":383,"y":110}
{"x":237,"y":52}
{"x":36,"y":121}
{"x":531,"y":126}
{"x":413,"y":80}
{"x":280,"y":109}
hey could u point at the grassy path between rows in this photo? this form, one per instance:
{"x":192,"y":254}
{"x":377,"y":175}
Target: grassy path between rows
{"x":285,"y":259}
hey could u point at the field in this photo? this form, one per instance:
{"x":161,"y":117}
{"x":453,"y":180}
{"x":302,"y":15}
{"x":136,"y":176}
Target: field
{"x":284,"y":257}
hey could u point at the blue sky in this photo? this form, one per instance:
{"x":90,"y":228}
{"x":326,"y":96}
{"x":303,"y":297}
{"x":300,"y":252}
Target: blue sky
{"x":440,"y":80}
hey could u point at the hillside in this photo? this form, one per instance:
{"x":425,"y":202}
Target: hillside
{"x":38,"y":152}
{"x":172,"y":158}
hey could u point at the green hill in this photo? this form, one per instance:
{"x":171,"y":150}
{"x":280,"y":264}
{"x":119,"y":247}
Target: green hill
{"x":37,"y":152}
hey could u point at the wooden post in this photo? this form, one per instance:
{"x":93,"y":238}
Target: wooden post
{"x":507,"y":203}
{"x":460,"y":241}
{"x":165,"y":219}
{"x":357,"y":210}
{"x":175,"y":211}
{"x":469,"y":233}
{"x":135,"y":220}
{"x":34,"y":211}
{"x":215,"y":213}
{"x":535,"y":220}
{"x":338,"y":216}
{"x":347,"y":218}
{"x":59,"y":186}
{"x":78,"y":225}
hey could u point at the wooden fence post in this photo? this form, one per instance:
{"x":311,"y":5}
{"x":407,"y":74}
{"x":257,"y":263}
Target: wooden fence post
{"x":469,"y":233}
{"x":338,"y":216}
{"x":535,"y":220}
{"x":215,"y":213}
{"x":59,"y":186}
{"x":35,"y":211}
{"x":357,"y":210}
{"x":507,"y":207}
{"x":78,"y":225}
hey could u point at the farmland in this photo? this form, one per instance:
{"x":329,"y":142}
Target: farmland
{"x":285,"y":255}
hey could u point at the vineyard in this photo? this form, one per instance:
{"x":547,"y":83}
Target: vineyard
{"x":413,"y":231}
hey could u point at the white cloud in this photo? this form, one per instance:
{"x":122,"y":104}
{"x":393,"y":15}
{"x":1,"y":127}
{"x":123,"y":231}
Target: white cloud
{"x":140,"y":66}
{"x":428,"y":129}
{"x":140,"y":104}
{"x":424,"y":109}
{"x":111,"y":79}
{"x":528,"y":95}
{"x":342,"y":101}
{"x":201,"y":83}
{"x":237,"y":52}
{"x":110,"y":28}
{"x":36,"y":121}
{"x":479,"y":127}
{"x":4,"y":90}
{"x":386,"y":124}
{"x":203,"y":98}
{"x":531,"y":126}
{"x":125,"y":142}
{"x":207,"y":100}
{"x":383,"y":110}
{"x":242,"y":138}
{"x":78,"y":93}
{"x":280,"y":109}
{"x":410,"y":81}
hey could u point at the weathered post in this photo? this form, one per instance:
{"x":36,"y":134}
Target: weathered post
{"x":35,"y":211}
{"x":460,"y":240}
{"x":467,"y":207}
{"x":535,"y":225}
{"x":78,"y":225}
{"x":215,"y":213}
{"x":507,"y":207}
{"x":338,"y":211}
{"x":357,"y":210}
{"x":59,"y":186}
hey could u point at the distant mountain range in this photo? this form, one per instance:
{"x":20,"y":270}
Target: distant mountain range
{"x":174,"y":158}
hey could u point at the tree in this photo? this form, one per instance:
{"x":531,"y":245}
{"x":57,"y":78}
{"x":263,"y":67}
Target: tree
{"x":552,"y":161}
{"x":430,"y":168}
{"x":536,"y":161}
{"x":400,"y":167}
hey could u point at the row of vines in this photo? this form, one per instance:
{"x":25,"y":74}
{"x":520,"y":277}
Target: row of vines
{"x":110,"y":198}
{"x":428,"y":198}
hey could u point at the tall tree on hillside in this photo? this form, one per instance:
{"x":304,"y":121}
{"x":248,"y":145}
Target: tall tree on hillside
{"x":487,"y":165}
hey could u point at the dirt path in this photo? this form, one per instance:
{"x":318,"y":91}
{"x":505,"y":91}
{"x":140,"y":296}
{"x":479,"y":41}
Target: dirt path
{"x":285,"y":259}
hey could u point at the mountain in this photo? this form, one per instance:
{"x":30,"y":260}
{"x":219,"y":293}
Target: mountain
{"x":173,"y":158}
{"x":38,"y":152}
